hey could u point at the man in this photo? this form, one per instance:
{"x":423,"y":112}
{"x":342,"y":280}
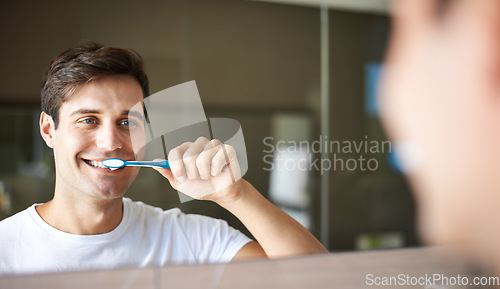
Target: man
{"x":89,"y":115}
{"x":441,"y":101}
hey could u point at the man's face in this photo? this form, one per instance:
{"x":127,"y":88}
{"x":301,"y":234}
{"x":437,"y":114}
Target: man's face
{"x":440,"y":97}
{"x":95,"y":124}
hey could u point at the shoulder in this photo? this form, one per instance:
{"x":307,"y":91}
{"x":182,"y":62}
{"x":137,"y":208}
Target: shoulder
{"x":174,"y":216}
{"x":150,"y":217}
{"x":205,"y":238}
{"x":16,"y":218}
{"x":15,"y":222}
{"x":139,"y":208}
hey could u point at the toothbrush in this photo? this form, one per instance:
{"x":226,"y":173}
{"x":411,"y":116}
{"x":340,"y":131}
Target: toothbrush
{"x":118,"y":163}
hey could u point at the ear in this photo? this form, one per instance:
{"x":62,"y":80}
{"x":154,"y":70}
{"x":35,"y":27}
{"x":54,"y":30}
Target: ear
{"x":47,"y":129}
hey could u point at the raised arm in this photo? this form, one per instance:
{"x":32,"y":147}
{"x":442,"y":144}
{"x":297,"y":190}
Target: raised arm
{"x":209,"y":170}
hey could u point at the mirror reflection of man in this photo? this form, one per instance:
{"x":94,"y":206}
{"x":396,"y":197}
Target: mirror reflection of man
{"x":87,"y":96}
{"x":441,"y":97}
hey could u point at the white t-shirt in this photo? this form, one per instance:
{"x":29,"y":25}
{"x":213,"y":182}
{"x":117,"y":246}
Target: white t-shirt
{"x":146,"y":236}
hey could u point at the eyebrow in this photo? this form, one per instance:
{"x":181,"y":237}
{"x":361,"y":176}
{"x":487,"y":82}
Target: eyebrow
{"x":84,"y":111}
{"x":93,"y":111}
{"x":134,"y":113}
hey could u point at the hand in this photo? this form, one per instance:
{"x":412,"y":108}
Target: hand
{"x":204,"y":170}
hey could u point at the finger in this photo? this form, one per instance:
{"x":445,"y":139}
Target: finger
{"x":176,"y":162}
{"x":233,"y":166}
{"x":225,"y":156}
{"x":190,"y":156}
{"x":204,"y":160}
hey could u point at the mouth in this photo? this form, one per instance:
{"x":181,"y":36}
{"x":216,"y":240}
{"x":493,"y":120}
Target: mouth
{"x":95,"y":164}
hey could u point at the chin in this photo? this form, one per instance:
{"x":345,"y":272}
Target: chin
{"x":432,"y":235}
{"x":436,"y":226}
{"x":439,"y":229}
{"x":111,"y":195}
{"x":108,"y":192}
{"x":106,"y":195}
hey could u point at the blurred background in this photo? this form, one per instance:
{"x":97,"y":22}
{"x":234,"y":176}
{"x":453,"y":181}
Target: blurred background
{"x":258,"y":62}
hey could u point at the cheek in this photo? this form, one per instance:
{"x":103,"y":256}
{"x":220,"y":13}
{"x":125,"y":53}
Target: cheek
{"x":444,"y":180}
{"x":69,"y":142}
{"x":139,"y":155}
{"x":137,"y":142}
{"x":457,"y":188}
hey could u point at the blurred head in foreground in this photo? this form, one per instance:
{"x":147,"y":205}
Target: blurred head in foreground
{"x":440,"y":102}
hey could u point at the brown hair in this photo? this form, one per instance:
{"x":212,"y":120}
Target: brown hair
{"x":83,"y":63}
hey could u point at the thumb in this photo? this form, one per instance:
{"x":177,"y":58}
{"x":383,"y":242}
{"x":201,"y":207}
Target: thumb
{"x":167,"y":173}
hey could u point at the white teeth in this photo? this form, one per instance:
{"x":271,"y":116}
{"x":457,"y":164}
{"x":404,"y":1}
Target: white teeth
{"x":97,"y":164}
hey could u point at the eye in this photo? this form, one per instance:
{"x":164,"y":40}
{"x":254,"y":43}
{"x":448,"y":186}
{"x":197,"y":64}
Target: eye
{"x":128,"y":123}
{"x":88,"y":121}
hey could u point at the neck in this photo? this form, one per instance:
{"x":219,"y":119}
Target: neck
{"x":82,"y":216}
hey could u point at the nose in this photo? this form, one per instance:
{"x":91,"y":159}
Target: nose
{"x":108,"y":137}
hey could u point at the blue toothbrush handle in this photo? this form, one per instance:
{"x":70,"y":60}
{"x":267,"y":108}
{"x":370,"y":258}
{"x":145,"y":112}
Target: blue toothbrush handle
{"x":161,"y":164}
{"x":165,"y":165}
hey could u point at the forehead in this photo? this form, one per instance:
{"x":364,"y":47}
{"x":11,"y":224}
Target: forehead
{"x":109,"y":94}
